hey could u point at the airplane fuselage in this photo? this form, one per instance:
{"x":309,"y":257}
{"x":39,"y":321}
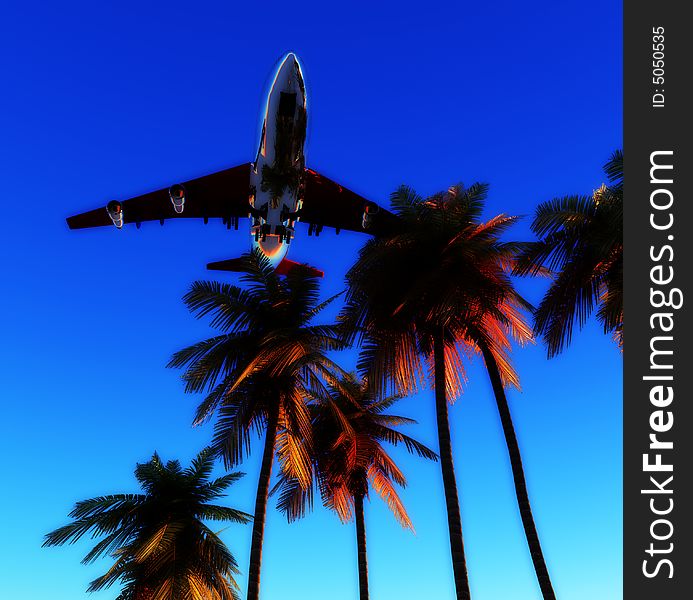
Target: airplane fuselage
{"x":277,"y":174}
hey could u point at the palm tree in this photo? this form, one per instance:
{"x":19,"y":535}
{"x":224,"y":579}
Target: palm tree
{"x":435,"y":290}
{"x":350,"y":427}
{"x":258,"y":372}
{"x":162,"y":548}
{"x":581,"y":245}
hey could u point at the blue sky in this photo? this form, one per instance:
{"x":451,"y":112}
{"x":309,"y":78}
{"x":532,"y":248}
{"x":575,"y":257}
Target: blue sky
{"x":103,"y":101}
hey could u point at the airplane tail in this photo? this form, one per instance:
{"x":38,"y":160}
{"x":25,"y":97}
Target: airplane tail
{"x":283,"y":268}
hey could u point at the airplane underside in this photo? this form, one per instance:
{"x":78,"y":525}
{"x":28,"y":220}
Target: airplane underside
{"x":274,"y":192}
{"x":277,"y":175}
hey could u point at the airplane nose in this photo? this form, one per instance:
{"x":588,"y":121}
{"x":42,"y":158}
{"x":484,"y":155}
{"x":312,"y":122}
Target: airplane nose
{"x":288,"y":71}
{"x":289,"y":64}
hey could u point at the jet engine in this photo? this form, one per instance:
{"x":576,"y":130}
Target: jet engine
{"x":115,"y":211}
{"x":177,"y":195}
{"x":369,"y":211}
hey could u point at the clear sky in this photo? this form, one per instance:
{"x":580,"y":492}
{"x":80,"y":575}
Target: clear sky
{"x":108,"y":100}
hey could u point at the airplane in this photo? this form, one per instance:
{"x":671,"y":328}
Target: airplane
{"x":274,"y":192}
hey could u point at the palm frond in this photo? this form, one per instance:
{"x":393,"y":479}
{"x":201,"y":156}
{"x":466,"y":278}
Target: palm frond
{"x":158,"y":540}
{"x":581,"y":245}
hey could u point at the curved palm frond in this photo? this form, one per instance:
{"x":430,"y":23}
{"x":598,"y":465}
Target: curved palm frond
{"x":258,"y":374}
{"x":581,"y":244}
{"x":158,"y":539}
{"x":435,"y":291}
{"x":348,"y":430}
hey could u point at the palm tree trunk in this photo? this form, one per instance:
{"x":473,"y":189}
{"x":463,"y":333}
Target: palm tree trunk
{"x":519,"y":477}
{"x":263,"y":485}
{"x":459,"y":563}
{"x":361,"y":545}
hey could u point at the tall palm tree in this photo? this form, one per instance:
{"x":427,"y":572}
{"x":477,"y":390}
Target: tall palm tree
{"x":257,"y":373}
{"x":162,"y":548}
{"x":350,"y":427}
{"x":420,"y":299}
{"x":581,"y":246}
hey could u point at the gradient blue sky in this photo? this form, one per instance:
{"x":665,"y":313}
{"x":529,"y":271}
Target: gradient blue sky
{"x":109,"y":100}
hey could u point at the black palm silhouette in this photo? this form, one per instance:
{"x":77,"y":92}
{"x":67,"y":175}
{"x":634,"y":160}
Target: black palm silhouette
{"x":258,"y":373}
{"x":581,"y":247}
{"x":162,"y":547}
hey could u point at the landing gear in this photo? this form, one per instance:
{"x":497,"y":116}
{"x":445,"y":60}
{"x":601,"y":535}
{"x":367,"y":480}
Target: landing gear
{"x":285,"y":233}
{"x":290,"y":217}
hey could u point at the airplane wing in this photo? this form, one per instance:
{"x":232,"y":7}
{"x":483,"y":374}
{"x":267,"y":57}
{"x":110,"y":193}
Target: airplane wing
{"x":328,"y":204}
{"x":220,"y":195}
